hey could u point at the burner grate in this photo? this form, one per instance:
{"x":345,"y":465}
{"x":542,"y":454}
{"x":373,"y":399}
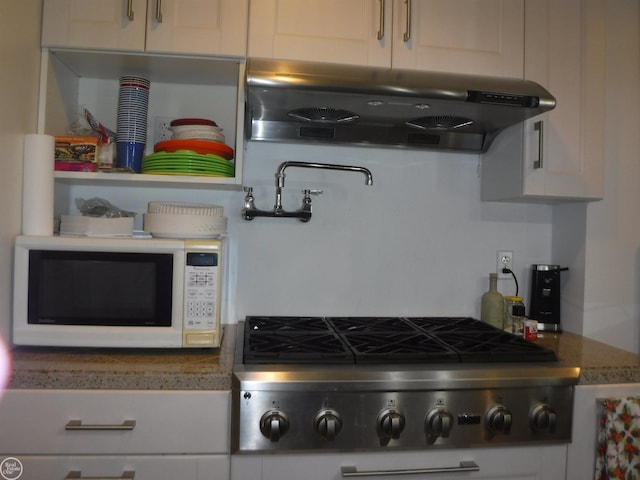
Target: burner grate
{"x":295,"y":347}
{"x":403,"y":347}
{"x":371,"y":324}
{"x":393,"y":340}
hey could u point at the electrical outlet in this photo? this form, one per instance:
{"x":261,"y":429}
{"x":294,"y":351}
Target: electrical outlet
{"x":161,"y":130}
{"x":504,"y":259}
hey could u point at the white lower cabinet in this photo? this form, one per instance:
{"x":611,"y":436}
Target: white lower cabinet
{"x":581,"y":455}
{"x":506,"y":463}
{"x":105,"y":433}
{"x":143,"y":467}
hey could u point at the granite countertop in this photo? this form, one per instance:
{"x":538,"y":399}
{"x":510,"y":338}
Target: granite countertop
{"x":598,"y":362}
{"x":59,"y":368}
{"x":131,"y":369}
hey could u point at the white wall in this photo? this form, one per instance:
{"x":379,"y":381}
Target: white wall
{"x":19,"y":53}
{"x":417,"y":242}
{"x":603,"y":298}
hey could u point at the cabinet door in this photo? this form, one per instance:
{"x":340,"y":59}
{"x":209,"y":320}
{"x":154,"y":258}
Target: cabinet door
{"x":150,"y":467}
{"x":102,"y":24}
{"x":565,"y":54}
{"x":338,"y":31}
{"x":581,"y":454}
{"x":558,"y":155}
{"x":206,"y":27}
{"x":113,"y":422}
{"x":484,"y":37}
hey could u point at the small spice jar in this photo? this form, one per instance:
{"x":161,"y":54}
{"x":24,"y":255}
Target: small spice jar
{"x":511,"y":301}
{"x":517,"y":313}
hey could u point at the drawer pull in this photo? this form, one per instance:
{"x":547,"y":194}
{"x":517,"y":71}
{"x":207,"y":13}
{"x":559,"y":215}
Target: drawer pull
{"x":465,"y":466}
{"x":78,"y":474}
{"x":78,"y":425}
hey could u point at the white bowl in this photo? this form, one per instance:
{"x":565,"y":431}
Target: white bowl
{"x":176,"y":225}
{"x":185,"y":208}
{"x":197,"y":134}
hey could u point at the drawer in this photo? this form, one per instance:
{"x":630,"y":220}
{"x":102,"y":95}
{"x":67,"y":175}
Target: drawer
{"x":506,"y":463}
{"x":149,"y":467}
{"x":113,"y":422}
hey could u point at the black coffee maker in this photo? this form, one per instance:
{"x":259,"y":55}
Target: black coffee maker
{"x":544,"y":301}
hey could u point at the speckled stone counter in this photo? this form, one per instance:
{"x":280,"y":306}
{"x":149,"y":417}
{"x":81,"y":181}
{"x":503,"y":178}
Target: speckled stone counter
{"x":134,"y":369}
{"x":211,"y":370}
{"x":598,"y":362}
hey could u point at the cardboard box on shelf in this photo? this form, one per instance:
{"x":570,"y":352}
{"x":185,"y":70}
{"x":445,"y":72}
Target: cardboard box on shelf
{"x":76,"y":149}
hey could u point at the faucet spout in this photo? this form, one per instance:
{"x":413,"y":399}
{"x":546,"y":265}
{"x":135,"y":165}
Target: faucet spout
{"x":324,"y":166}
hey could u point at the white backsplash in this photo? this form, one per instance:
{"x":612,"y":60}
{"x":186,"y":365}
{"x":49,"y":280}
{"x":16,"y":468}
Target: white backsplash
{"x":417,"y":242}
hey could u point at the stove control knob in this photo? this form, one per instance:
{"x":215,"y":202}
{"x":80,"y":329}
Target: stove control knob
{"x":328,"y":423}
{"x":274,"y":424}
{"x":498,"y":419}
{"x":543,"y":418}
{"x":438,"y":422}
{"x":390,"y":424}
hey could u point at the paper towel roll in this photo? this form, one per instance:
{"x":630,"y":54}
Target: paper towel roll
{"x":37,"y":184}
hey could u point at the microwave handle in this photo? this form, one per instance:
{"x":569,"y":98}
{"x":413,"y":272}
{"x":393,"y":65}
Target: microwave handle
{"x":78,"y":425}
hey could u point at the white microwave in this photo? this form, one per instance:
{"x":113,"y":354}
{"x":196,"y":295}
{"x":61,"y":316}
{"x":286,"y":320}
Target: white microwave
{"x":117,"y":292}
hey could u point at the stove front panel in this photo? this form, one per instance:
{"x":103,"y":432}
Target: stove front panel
{"x":277,"y":420}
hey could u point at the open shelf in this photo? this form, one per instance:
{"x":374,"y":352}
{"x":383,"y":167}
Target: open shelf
{"x":141,"y":179}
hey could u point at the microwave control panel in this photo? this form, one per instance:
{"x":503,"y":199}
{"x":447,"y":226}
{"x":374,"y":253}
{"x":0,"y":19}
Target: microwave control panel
{"x":201,"y":287}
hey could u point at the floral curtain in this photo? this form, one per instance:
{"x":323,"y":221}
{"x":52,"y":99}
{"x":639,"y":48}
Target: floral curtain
{"x":618,"y":449}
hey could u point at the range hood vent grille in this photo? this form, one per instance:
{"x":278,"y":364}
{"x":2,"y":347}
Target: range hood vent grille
{"x":440,"y":122}
{"x":291,"y":101}
{"x":325,"y":115}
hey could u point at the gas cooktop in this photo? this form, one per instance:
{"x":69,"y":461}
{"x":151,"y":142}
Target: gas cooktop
{"x":372,"y":383}
{"x":363,"y":340}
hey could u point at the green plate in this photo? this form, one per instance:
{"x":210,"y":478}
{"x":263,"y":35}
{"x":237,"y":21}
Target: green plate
{"x":182,"y":155}
{"x":191,"y":174}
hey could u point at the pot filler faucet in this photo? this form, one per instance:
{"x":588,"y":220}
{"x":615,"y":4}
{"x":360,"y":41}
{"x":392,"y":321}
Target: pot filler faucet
{"x":249,"y":212}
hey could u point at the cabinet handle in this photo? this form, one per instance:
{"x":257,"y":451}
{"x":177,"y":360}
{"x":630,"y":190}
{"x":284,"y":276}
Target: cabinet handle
{"x":130,"y":10}
{"x":159,"y":11}
{"x":77,"y":425}
{"x":465,"y":466}
{"x":407,"y":28}
{"x":382,"y":20}
{"x":78,"y":474}
{"x":539,"y":127}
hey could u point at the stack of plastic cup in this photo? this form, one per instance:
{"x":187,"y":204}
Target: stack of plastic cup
{"x":133,"y":105}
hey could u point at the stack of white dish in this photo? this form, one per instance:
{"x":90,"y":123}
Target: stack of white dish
{"x":196,"y":128}
{"x":184,"y":220}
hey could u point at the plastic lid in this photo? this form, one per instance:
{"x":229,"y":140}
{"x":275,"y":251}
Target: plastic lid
{"x":517,"y":310}
{"x":513,"y":298}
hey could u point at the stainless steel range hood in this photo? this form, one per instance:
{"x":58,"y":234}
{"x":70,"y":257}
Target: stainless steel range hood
{"x":290,"y":101}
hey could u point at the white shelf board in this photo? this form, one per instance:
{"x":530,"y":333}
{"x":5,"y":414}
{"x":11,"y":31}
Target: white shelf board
{"x":142,"y":179}
{"x":158,"y":68}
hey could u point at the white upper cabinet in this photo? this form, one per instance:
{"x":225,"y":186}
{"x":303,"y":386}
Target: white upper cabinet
{"x":484,"y":37}
{"x":339,"y":31}
{"x":198,"y":27}
{"x":558,"y":155}
{"x":469,"y":36}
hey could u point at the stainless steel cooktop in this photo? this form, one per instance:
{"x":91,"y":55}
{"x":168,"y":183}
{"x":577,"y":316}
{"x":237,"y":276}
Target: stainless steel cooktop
{"x":385,"y":383}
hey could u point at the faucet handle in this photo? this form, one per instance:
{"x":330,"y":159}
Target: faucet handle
{"x":308,"y":191}
{"x":249,"y":190}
